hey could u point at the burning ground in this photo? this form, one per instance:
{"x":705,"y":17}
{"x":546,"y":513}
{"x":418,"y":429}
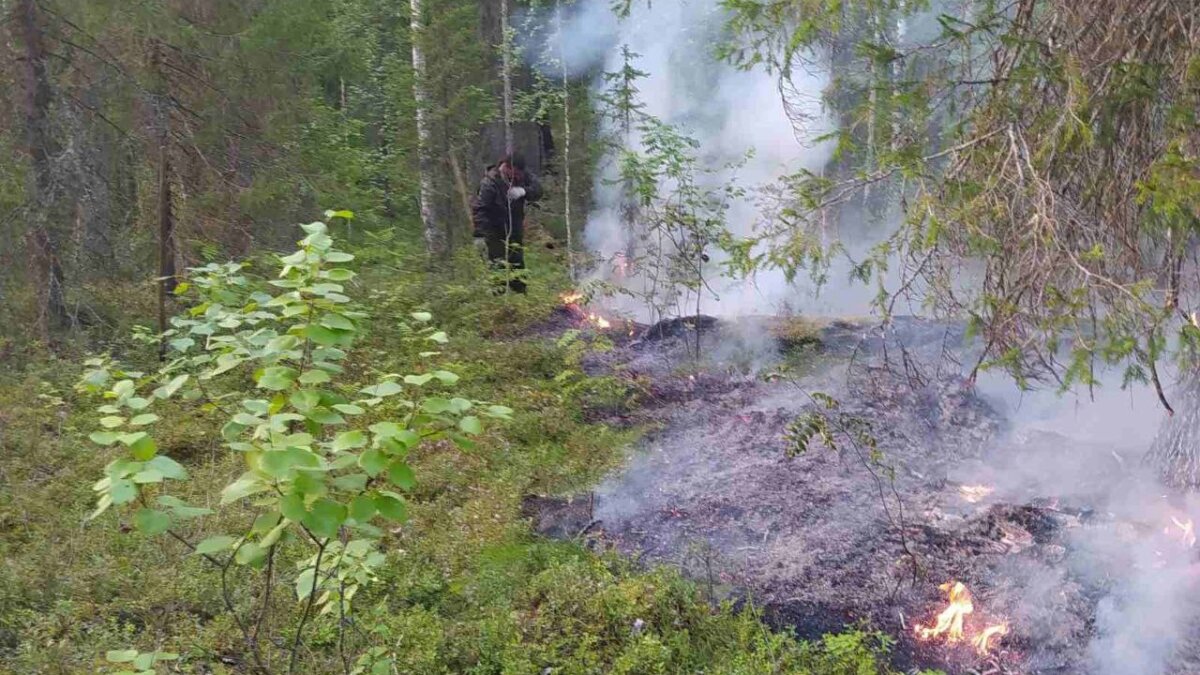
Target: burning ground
{"x":926,"y":507}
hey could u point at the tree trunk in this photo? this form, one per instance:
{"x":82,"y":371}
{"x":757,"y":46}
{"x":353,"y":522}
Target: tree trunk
{"x":506,"y":75}
{"x":435,"y":240}
{"x":1175,"y":453}
{"x":166,"y":242}
{"x":566,"y":94}
{"x":43,"y":252}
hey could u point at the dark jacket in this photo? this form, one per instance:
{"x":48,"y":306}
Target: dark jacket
{"x":491,"y":211}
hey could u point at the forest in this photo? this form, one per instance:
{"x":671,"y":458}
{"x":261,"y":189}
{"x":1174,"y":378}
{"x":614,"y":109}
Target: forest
{"x":553,"y":337}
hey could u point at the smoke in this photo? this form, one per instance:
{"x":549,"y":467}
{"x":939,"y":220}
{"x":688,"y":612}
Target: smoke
{"x":1081,"y":449}
{"x":738,"y":117}
{"x":1084,"y":450}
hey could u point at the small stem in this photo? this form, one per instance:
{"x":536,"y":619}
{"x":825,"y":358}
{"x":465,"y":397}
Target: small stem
{"x":312,"y":597}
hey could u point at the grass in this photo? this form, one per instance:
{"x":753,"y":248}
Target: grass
{"x":467,"y":588}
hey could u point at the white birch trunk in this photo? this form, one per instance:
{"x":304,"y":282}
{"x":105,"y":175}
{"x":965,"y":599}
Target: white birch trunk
{"x":566,"y":94}
{"x":506,"y":75}
{"x":435,"y":240}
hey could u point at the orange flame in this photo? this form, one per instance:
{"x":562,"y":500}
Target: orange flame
{"x":572,"y":298}
{"x":984,"y":641}
{"x":599,"y":321}
{"x":1187,"y":531}
{"x":975,"y":493}
{"x":950,"y":621}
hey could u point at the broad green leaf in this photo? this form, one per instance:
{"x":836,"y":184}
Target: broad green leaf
{"x":144,"y":448}
{"x":362,"y":508}
{"x":305,"y":483}
{"x":342,"y":213}
{"x":292,"y":506}
{"x":169,"y":389}
{"x":137,"y":403}
{"x":348,"y":409}
{"x":270,"y":538}
{"x":245,"y":486}
{"x":148,"y":476}
{"x":470,"y":425}
{"x":418,"y":379}
{"x":439,"y":337}
{"x":102,"y":505}
{"x":104,"y":437}
{"x":265,"y":521}
{"x":151,"y":522}
{"x":168,"y":467}
{"x":436,"y":405}
{"x":325,"y":416}
{"x":338,"y":257}
{"x":401,"y":475}
{"x":351,"y":483}
{"x":423,"y":317}
{"x":385,"y":388}
{"x":143,"y":420}
{"x":338,"y":274}
{"x":180,"y":509}
{"x":349,"y":439}
{"x":305,"y":400}
{"x":314,"y":377}
{"x":499,"y":411}
{"x":112,"y":421}
{"x":123,"y":491}
{"x":324,"y":336}
{"x":121,"y":655}
{"x":373,"y":461}
{"x":144,"y":661}
{"x":277,"y":378}
{"x":304,"y":583}
{"x":445,"y":376}
{"x":337,"y":321}
{"x":392,"y":507}
{"x":215,"y":544}
{"x":385,"y":429}
{"x":325,"y":518}
{"x":251,"y":554}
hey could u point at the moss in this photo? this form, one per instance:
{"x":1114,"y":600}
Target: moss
{"x":467,"y":588}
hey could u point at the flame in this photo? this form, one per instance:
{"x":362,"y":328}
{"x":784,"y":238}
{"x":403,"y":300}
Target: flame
{"x":572,"y":299}
{"x":1187,"y":531}
{"x":950,"y":621}
{"x":983,"y":641}
{"x":975,"y":493}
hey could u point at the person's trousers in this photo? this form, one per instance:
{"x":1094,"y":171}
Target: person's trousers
{"x":506,"y":251}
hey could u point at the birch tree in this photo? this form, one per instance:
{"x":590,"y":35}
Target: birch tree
{"x":435,"y":237}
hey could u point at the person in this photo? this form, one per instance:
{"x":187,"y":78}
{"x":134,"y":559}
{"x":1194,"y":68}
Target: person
{"x":498,"y":213}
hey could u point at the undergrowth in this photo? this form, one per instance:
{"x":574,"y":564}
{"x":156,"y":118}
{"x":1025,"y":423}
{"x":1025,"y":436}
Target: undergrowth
{"x":465,"y":588}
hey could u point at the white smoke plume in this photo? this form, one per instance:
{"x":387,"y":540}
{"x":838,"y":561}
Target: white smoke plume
{"x":731,"y":112}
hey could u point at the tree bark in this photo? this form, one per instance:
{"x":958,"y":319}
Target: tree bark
{"x":166,"y":242}
{"x":566,"y":94}
{"x":435,"y":240}
{"x":1175,"y":453}
{"x":506,"y":76}
{"x":43,"y":259}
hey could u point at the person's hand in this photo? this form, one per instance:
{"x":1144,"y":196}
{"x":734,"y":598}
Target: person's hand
{"x":515,"y":193}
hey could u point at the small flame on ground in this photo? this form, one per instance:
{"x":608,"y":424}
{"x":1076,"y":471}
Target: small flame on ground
{"x":975,"y":493}
{"x":950,"y":621}
{"x":984,"y":641}
{"x":1186,"y":533}
{"x":572,"y":300}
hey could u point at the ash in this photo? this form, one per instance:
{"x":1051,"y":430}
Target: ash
{"x":1069,"y":545}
